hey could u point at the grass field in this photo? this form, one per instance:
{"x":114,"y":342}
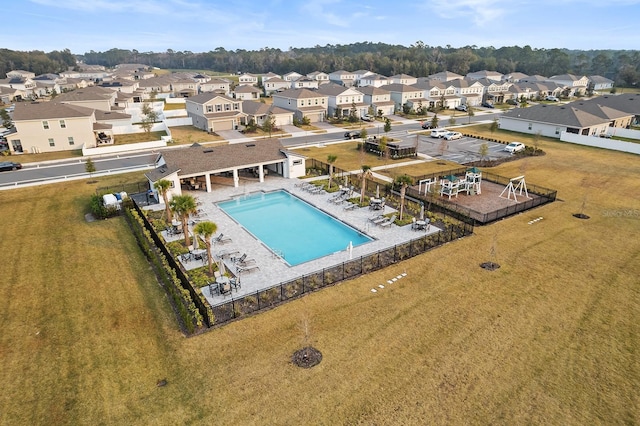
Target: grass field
{"x":551,"y":337}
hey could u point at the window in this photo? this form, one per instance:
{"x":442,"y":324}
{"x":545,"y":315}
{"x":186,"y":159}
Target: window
{"x":218,"y":108}
{"x":63,"y":124}
{"x":530,"y":126}
{"x":209,"y":108}
{"x":236,"y":106}
{"x":45,"y":125}
{"x":51,"y":142}
{"x":297,"y":162}
{"x":71,"y":142}
{"x":227,"y":107}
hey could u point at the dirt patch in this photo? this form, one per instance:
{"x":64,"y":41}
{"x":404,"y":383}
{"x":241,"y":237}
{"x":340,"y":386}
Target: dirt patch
{"x":307,"y":357}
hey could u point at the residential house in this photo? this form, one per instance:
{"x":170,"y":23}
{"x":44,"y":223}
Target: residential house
{"x":120,"y":85}
{"x":341,"y":100}
{"x":402,"y":94}
{"x":25,"y":87}
{"x":403,"y":79}
{"x":247,"y":78}
{"x":161,"y":86}
{"x":496,"y":91}
{"x":576,"y":84}
{"x":445,"y":76}
{"x":379,"y":99}
{"x":52,"y":126}
{"x":322,"y":77}
{"x":305,"y":83}
{"x":361,"y":74}
{"x":218,"y":85}
{"x":184,"y":87}
{"x":375,"y":80}
{"x":21,"y":74}
{"x":91,"y":74}
{"x":93,"y":97}
{"x":303,"y":102}
{"x":514,"y":77}
{"x":258,"y":112}
{"x":201,"y":78}
{"x":435,"y":92}
{"x":246,"y":92}
{"x":291,"y":76}
{"x":598,"y":83}
{"x":267,"y":76}
{"x":469,"y":91}
{"x":275,"y":84}
{"x":551,"y":120}
{"x":343,"y":78}
{"x":489,"y":75}
{"x":214,"y":112}
{"x":626,"y":102}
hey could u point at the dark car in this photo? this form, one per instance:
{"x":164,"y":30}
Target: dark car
{"x":9,"y":165}
{"x":487,"y":105}
{"x":426,"y":125}
{"x":354,"y":134}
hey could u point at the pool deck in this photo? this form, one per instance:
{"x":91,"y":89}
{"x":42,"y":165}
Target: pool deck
{"x":274,"y":270}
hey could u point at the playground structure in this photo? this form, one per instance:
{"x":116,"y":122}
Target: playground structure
{"x":519,"y":188}
{"x":471,"y":184}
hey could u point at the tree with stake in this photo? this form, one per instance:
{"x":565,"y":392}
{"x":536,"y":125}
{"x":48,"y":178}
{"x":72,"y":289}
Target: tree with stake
{"x":404,"y":181}
{"x":470,"y":113}
{"x":6,"y":119}
{"x":269,"y":124}
{"x":483,"y":151}
{"x":183,"y":206}
{"x":206,"y":229}
{"x":331,"y":159}
{"x":162,"y":186}
{"x":150,"y":116}
{"x":494,"y":126}
{"x":434,"y":121}
{"x":387,"y":125}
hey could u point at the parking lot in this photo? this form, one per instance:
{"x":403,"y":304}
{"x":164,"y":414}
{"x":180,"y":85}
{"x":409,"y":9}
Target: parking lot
{"x":462,"y":150}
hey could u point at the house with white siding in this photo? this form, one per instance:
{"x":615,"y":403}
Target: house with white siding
{"x":341,"y":100}
{"x":303,"y":103}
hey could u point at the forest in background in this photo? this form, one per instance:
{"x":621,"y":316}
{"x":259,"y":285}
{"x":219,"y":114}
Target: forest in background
{"x":419,"y":60}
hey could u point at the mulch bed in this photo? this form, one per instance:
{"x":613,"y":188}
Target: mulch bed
{"x":489,"y":266}
{"x":307,"y":357}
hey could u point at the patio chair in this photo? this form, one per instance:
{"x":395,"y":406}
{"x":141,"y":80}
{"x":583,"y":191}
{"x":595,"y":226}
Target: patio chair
{"x":213,"y":288}
{"x":388,"y":222}
{"x":377,"y":219}
{"x":248,"y":268}
{"x":350,"y":206}
{"x":228,"y":253}
{"x":221,"y":239}
{"x":245,"y":263}
{"x":235,"y":282}
{"x":239,"y":259}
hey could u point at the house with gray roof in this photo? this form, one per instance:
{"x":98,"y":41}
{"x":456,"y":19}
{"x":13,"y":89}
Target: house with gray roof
{"x":342,"y":77}
{"x":402,"y":94}
{"x":218,"y":85}
{"x":489,"y":75}
{"x":341,"y":100}
{"x":258,"y":112}
{"x":275,"y":84}
{"x":95,"y":97}
{"x":575,"y":83}
{"x":322,"y":77}
{"x":201,"y":167}
{"x":403,"y":79}
{"x":213,"y":112}
{"x":444,"y":76}
{"x":379,"y":99}
{"x":552,"y":120}
{"x":246,"y":92}
{"x":598,"y":82}
{"x":303,"y":103}
{"x":375,"y":80}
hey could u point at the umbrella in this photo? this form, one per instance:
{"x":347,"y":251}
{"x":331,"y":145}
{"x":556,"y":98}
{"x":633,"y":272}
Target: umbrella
{"x":421,"y":211}
{"x":195,"y":241}
{"x":350,"y":249}
{"x":377,"y":191}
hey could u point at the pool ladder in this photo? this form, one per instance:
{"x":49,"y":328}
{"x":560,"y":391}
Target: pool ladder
{"x":278,"y":253}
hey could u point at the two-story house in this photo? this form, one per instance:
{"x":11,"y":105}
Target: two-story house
{"x":489,"y":75}
{"x":402,"y":94}
{"x":341,"y":100}
{"x":305,"y":83}
{"x":496,"y":91}
{"x":248,"y":78}
{"x":94,"y":97}
{"x":246,"y":92}
{"x":445,"y":76}
{"x":291,"y":76}
{"x":403,"y":79}
{"x":343,"y":78}
{"x":375,"y":80}
{"x":577,"y":84}
{"x":52,"y":126}
{"x":322,"y":77}
{"x":214,"y":112}
{"x":379,"y":99}
{"x":267,"y":76}
{"x":275,"y":84}
{"x":218,"y":85}
{"x":303,"y":103}
{"x":469,"y":91}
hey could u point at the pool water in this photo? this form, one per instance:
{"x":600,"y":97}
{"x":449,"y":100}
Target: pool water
{"x":292,"y":228}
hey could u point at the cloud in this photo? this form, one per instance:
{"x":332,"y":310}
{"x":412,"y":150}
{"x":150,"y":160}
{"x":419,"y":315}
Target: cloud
{"x":317,"y":9}
{"x":480,"y":12}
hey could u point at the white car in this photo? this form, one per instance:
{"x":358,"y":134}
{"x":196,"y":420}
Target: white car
{"x":452,"y":135}
{"x":514,"y":147}
{"x":438,"y":133}
{"x":368,"y":117}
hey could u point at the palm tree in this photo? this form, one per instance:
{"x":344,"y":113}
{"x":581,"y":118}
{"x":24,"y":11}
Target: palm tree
{"x":206,"y":229}
{"x":331,"y":159}
{"x":404,"y":181}
{"x":162,"y":186}
{"x":183,"y":206}
{"x":366,"y":173}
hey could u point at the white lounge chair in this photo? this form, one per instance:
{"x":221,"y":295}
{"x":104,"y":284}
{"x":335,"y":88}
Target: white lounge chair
{"x":388,"y":222}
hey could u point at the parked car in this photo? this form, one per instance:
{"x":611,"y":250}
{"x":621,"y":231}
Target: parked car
{"x":462,"y":107}
{"x":427,"y":125}
{"x":9,"y":165}
{"x":514,"y":147}
{"x":368,"y":117}
{"x":452,"y":135}
{"x":354,"y":134}
{"x":511,"y":102}
{"x":551,"y":98}
{"x":438,"y":133}
{"x":487,"y":105}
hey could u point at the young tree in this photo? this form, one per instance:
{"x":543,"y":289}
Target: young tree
{"x":353,"y":113}
{"x":387,"y":125}
{"x":366,"y":173}
{"x":404,"y":181}
{"x":364,"y":134}
{"x":470,"y":113}
{"x":6,"y":119}
{"x":434,"y":121}
{"x":89,"y":167}
{"x":483,"y":151}
{"x":269,"y":124}
{"x":206,"y":229}
{"x":331,"y":159}
{"x":149,"y":116}
{"x":162,"y":186}
{"x":183,"y":206}
{"x":452,"y":121}
{"x":494,"y":125}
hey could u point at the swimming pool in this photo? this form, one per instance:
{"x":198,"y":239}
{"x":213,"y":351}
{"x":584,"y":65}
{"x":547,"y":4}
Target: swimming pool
{"x":290,"y":227}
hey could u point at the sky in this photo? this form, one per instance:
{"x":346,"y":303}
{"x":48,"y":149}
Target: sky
{"x":204,"y":25}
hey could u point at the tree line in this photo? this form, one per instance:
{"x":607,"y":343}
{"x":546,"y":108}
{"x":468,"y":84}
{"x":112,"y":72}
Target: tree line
{"x":36,"y":61}
{"x":419,"y":60}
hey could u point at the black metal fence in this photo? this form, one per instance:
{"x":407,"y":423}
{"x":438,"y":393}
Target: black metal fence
{"x":130,"y":188}
{"x":298,"y":287}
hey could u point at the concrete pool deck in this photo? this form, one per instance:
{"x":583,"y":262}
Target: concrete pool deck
{"x":274,"y":270}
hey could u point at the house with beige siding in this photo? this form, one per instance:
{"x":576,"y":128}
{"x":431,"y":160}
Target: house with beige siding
{"x":322,"y":77}
{"x":94,"y":97}
{"x":375,"y":80}
{"x":303,"y":103}
{"x":258,"y":112}
{"x":379,"y":99}
{"x":218,"y":85}
{"x":246,"y":92}
{"x":275,"y":84}
{"x":214,"y":112}
{"x":341,"y":100}
{"x":247,"y":78}
{"x":403,"y":93}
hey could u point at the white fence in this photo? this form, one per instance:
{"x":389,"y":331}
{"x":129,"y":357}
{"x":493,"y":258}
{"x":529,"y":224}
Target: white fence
{"x":624,"y":133}
{"x":598,"y":142}
{"x":182,"y":121}
{"x":112,"y":149}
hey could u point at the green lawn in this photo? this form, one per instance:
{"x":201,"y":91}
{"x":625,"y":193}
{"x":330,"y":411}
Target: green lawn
{"x":551,"y":337}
